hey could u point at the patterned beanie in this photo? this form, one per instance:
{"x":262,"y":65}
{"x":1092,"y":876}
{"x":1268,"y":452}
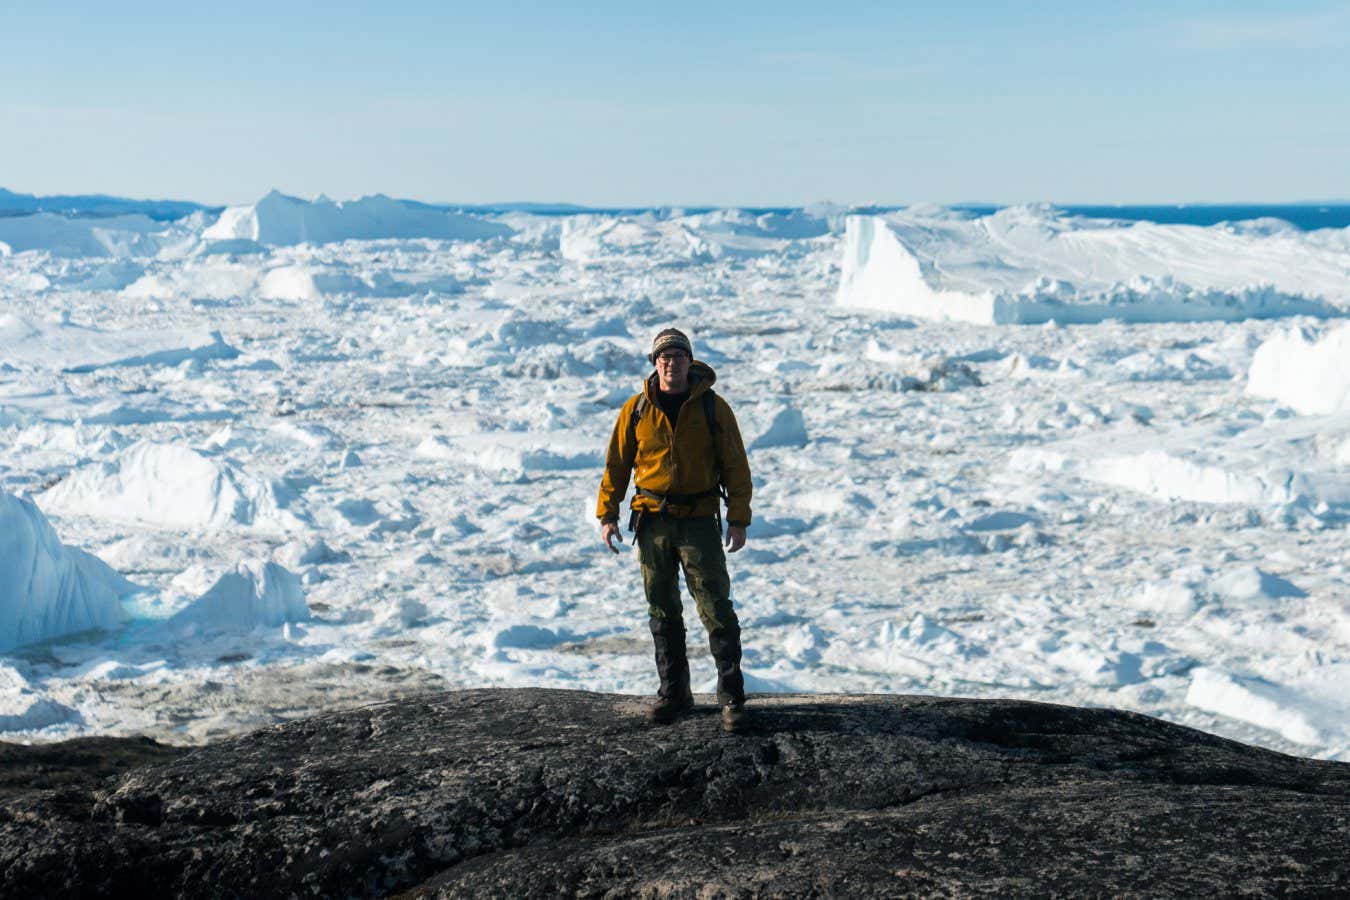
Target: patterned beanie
{"x":671,"y":337}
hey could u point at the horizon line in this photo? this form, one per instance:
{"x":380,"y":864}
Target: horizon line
{"x":525,"y":205}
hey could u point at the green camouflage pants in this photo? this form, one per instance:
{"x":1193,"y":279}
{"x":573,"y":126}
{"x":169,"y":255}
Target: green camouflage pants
{"x":666,"y":544}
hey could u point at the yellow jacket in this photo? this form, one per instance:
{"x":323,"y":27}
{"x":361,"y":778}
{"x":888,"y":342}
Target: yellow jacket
{"x":678,"y":459}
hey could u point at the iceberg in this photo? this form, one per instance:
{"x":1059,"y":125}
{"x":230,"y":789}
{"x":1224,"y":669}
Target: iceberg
{"x":47,"y":589}
{"x":1308,"y":374}
{"x":784,"y":426}
{"x":722,"y":234}
{"x":128,"y":235}
{"x":595,"y":240}
{"x":795,"y":224}
{"x":211,"y":279}
{"x":281,"y":221}
{"x":255,"y":594}
{"x":172,"y":486}
{"x":1028,"y":265}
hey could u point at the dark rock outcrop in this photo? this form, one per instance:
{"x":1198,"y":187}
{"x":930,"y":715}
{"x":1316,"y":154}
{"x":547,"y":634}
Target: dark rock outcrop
{"x":524,"y":793}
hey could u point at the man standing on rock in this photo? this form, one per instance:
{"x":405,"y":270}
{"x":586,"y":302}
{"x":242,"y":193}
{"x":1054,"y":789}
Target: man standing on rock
{"x":682,"y":441}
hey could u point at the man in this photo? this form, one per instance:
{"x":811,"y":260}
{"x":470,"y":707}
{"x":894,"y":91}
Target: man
{"x":683,"y":443}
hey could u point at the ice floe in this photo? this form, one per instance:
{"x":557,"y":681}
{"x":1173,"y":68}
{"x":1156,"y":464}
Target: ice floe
{"x":1249,"y":584}
{"x":1256,"y":463}
{"x":515,"y":453}
{"x":1300,"y":711}
{"x":24,"y":712}
{"x":1168,"y":598}
{"x":918,"y":648}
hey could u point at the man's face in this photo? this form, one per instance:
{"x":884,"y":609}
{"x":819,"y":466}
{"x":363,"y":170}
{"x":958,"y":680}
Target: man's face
{"x":672,"y":369}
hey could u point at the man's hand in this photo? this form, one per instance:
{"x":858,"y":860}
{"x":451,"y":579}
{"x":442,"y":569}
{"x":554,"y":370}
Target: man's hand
{"x":735,"y":537}
{"x":610,"y":530}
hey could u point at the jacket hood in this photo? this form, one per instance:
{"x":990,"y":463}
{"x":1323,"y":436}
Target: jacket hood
{"x":701,"y":377}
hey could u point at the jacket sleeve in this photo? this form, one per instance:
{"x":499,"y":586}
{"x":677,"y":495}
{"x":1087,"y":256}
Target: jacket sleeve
{"x":735,"y":466}
{"x":619,"y":460}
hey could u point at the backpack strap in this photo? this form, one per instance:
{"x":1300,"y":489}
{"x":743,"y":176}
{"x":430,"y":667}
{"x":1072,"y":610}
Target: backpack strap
{"x":639,"y":409}
{"x":710,"y":413}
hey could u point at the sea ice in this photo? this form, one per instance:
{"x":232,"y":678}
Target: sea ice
{"x":516,"y":453}
{"x":1293,"y":714}
{"x":1248,"y":584}
{"x":62,"y":346}
{"x":24,"y":712}
{"x":796,"y":224}
{"x":1168,"y":598}
{"x":1263,"y":464}
{"x":920,"y":648}
{"x":1076,"y":514}
{"x":313,"y":552}
{"x":593,"y":240}
{"x":210,"y":279}
{"x":522,"y":636}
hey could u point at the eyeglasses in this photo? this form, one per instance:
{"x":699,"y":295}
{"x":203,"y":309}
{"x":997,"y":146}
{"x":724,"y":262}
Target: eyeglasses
{"x":672,"y":356}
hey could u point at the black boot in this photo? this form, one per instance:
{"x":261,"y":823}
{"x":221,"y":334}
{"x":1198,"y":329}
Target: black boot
{"x":725,"y":644}
{"x":673,"y":699}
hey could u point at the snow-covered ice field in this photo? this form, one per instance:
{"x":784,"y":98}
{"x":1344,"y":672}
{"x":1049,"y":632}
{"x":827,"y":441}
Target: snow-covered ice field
{"x":310,"y":455}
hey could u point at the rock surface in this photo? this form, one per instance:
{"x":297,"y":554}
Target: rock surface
{"x":533,"y":793}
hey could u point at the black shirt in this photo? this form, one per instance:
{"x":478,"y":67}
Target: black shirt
{"x":671,"y":403}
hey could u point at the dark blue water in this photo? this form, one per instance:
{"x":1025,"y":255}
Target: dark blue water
{"x":1306,"y":216}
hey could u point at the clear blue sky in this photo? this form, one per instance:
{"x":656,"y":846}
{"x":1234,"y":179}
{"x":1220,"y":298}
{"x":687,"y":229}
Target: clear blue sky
{"x":743,"y":103}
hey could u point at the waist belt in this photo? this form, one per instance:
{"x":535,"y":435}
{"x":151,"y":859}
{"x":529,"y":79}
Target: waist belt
{"x":665,"y":500}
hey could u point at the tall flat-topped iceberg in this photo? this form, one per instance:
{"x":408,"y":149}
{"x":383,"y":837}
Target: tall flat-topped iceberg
{"x":279,"y":220}
{"x":1028,"y":265}
{"x":47,"y":589}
